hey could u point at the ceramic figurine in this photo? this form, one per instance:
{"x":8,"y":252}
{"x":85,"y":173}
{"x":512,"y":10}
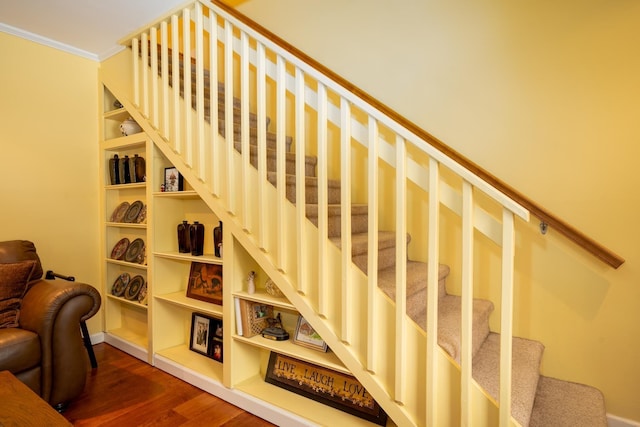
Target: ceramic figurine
{"x":129,"y":127}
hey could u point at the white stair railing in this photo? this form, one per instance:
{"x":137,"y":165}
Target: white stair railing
{"x":329,"y":121}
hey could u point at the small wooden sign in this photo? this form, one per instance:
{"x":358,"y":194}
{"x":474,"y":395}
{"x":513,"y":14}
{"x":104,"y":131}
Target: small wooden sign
{"x":338,"y":390}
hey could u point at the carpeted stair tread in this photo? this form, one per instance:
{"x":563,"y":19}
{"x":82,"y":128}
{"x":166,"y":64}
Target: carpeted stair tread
{"x":565,"y":404}
{"x":290,"y":160}
{"x":360,"y":241}
{"x":253,"y":135}
{"x":449,"y":323}
{"x":311,"y":190}
{"x":360,"y":246}
{"x":416,"y":279}
{"x":526,"y":358}
{"x":359,"y":218}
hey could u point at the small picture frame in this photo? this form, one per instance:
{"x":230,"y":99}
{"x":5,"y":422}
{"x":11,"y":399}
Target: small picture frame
{"x":216,"y":340}
{"x":205,"y":282}
{"x":173,"y":181}
{"x":306,"y":336}
{"x":201,"y":330}
{"x":206,"y":336}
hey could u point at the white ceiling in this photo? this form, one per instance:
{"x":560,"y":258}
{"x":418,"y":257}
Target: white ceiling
{"x":89,"y":28}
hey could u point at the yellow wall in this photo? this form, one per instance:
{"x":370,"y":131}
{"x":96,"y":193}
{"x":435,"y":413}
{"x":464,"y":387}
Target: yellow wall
{"x":544,"y":96}
{"x":48,"y":141}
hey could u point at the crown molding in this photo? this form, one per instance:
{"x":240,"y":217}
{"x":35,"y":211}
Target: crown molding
{"x":48,"y":42}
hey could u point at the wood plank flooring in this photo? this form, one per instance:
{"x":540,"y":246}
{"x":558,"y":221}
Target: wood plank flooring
{"x":124,"y":391}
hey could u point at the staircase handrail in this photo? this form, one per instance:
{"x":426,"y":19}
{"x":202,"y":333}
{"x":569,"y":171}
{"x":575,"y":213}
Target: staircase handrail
{"x":546,"y":217}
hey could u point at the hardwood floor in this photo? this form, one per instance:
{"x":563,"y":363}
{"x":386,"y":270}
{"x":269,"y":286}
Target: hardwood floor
{"x":124,"y":391}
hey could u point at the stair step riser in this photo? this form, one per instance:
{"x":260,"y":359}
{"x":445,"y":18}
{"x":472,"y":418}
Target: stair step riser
{"x":310,"y":165}
{"x":358,"y":223}
{"x":386,"y":259}
{"x":253,"y":139}
{"x":311,"y":192}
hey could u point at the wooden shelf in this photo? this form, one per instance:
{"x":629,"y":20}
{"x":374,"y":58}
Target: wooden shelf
{"x":263,"y":297}
{"x":118,"y":114}
{"x":125,"y":225}
{"x":124,"y":340}
{"x":181,"y":300}
{"x":135,"y":303}
{"x":327,"y":360}
{"x":125,"y":186}
{"x":137,"y":140}
{"x":300,"y":405}
{"x":131,"y":337}
{"x":203,"y":365}
{"x":126,"y":264}
{"x":188,"y":194}
{"x":206,"y":258}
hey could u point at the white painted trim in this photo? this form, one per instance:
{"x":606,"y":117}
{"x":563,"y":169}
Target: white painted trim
{"x":47,"y":42}
{"x":132,"y":349}
{"x":244,"y":401}
{"x":614,"y":421}
{"x":97,"y":338}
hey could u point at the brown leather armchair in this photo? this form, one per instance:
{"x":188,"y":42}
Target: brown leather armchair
{"x":46,"y":350}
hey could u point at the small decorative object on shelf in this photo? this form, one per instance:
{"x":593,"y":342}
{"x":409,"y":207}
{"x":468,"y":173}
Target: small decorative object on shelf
{"x":324,"y":385}
{"x":142,"y":295}
{"x":120,"y":248}
{"x":275,"y":331}
{"x":135,"y":252}
{"x":117,"y":104}
{"x":137,"y":169}
{"x":217,"y":240}
{"x":114,"y":170}
{"x":133,"y":288}
{"x":120,"y":284}
{"x":184,"y":240}
{"x":133,"y":212}
{"x":206,"y":336}
{"x":173,"y":181}
{"x":125,"y":173}
{"x":251,"y":284}
{"x":272,"y":289}
{"x":252,"y":317}
{"x":129,"y":127}
{"x":205,"y":282}
{"x":142,"y":216}
{"x":196,"y":234}
{"x":119,"y":212}
{"x":306,"y":336}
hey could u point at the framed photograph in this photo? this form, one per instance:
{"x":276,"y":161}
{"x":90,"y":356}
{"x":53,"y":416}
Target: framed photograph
{"x":306,"y":336}
{"x":216,"y":340}
{"x":324,"y":385}
{"x":200,"y":340}
{"x":205,"y":282}
{"x":206,"y":336}
{"x":173,"y":181}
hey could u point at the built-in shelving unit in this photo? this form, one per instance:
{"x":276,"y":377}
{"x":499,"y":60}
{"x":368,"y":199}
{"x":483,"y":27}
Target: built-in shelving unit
{"x":158,"y":330}
{"x":126,"y":321}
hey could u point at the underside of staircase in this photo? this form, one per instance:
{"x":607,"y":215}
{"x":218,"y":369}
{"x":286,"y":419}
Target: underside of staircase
{"x":536,"y":400}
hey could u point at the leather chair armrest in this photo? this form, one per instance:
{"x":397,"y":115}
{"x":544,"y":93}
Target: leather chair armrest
{"x":54,"y":310}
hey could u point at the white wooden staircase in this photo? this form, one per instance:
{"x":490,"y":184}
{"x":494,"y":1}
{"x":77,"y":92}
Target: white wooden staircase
{"x":427,"y":357}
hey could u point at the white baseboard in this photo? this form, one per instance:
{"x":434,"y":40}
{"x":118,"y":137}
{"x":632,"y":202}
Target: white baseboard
{"x":97,"y":338}
{"x":614,"y":421}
